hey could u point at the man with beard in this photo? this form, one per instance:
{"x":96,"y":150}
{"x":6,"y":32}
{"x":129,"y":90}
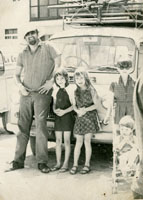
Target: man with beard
{"x":137,"y":186}
{"x":38,"y":61}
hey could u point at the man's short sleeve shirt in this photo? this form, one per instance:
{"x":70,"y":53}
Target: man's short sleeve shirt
{"x":38,"y":66}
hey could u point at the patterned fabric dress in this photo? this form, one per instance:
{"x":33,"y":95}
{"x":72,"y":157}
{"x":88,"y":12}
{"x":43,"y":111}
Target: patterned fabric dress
{"x":65,"y":122}
{"x":87,"y":123}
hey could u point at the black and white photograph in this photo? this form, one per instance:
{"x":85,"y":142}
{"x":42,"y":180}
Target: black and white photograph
{"x":71,"y":99}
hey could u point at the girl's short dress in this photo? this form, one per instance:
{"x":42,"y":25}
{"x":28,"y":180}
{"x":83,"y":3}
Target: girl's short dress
{"x":65,"y":122}
{"x":88,"y":123}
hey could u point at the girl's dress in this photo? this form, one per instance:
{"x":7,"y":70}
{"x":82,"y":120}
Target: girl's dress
{"x":123,"y":98}
{"x":87,"y":123}
{"x":65,"y":122}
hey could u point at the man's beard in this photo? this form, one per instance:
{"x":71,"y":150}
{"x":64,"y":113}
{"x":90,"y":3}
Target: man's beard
{"x":32,"y":42}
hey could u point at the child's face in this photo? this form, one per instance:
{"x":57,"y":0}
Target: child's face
{"x":124,"y":71}
{"x":125,"y":131}
{"x":60,"y":80}
{"x":80,"y":81}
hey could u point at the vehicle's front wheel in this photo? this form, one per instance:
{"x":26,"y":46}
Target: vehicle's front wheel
{"x":33,"y":144}
{"x":4,"y":117}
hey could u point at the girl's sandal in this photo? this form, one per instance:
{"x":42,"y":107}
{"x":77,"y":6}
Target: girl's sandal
{"x":85,"y":170}
{"x":55,"y":168}
{"x":74,"y":170}
{"x":63,"y":169}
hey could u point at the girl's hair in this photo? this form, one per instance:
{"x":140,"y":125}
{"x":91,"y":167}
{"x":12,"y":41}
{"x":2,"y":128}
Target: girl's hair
{"x":82,"y":72}
{"x":61,"y":72}
{"x":127,"y":64}
{"x":127,"y":121}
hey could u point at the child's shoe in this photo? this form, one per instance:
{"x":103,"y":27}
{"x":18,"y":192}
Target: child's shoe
{"x":74,"y":170}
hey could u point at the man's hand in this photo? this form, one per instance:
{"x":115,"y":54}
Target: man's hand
{"x":23,"y":90}
{"x":44,"y":89}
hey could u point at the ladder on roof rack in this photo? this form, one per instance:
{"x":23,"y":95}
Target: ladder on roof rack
{"x":113,"y":12}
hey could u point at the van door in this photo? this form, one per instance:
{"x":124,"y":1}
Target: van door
{"x":4,"y":101}
{"x":3,"y":87}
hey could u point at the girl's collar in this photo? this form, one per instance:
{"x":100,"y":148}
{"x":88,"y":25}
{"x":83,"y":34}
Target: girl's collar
{"x":121,"y":79}
{"x":65,"y":88}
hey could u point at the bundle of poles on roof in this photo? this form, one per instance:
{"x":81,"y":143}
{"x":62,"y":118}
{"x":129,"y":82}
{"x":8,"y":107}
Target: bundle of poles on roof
{"x":102,"y":12}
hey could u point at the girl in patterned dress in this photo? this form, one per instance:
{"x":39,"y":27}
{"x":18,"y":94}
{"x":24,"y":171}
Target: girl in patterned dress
{"x":86,"y":123}
{"x":64,"y":119}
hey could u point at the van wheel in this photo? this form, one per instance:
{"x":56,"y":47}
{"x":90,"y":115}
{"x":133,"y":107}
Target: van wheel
{"x":33,"y":144}
{"x":4,"y":117}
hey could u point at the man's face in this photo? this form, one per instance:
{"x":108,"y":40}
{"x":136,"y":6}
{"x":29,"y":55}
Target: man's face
{"x":31,"y":37}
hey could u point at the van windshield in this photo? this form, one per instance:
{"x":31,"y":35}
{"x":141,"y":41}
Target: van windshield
{"x":97,"y":53}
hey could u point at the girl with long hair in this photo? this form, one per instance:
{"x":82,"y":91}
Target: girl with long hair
{"x":86,"y":123}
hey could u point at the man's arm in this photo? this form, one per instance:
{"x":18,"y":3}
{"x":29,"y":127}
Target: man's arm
{"x":57,"y":62}
{"x":17,"y":75}
{"x":17,"y":78}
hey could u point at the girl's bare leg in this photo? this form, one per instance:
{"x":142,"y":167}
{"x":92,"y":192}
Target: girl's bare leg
{"x":67,"y":135}
{"x":88,"y":149}
{"x":58,"y":147}
{"x":77,"y":149}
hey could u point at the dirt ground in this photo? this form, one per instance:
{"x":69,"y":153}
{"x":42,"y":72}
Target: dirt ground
{"x":31,"y":184}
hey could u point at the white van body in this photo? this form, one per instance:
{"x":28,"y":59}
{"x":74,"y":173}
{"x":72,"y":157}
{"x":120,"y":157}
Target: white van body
{"x":98,"y":49}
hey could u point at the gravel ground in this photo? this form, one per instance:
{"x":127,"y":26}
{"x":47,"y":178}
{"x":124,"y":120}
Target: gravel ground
{"x":30,"y":184}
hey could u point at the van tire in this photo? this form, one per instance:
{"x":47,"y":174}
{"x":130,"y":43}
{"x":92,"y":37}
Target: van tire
{"x":4,"y":117}
{"x":33,"y":144}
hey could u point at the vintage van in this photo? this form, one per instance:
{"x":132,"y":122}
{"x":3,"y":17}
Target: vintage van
{"x":98,"y":50}
{"x":6,"y":85}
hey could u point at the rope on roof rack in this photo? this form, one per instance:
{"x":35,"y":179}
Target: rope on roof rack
{"x":86,"y":8}
{"x":106,"y":13}
{"x":134,"y":17}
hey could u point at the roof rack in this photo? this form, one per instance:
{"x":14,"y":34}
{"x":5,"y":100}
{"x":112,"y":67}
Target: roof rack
{"x":113,"y":12}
